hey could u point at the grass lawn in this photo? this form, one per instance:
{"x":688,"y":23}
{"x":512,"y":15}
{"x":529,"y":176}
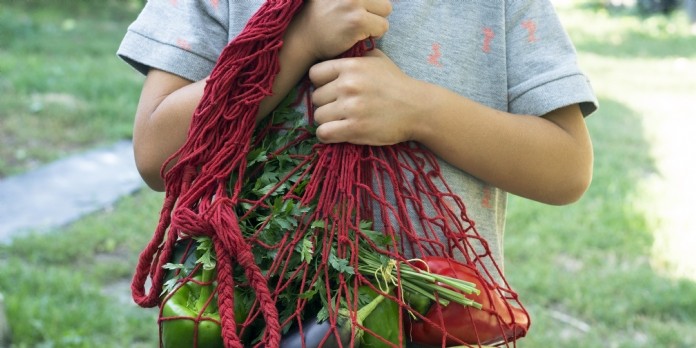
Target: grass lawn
{"x":605,"y":272}
{"x":61,"y":88}
{"x":609,"y":271}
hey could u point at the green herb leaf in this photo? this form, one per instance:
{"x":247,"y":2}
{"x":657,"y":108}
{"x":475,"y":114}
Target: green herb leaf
{"x":173,"y":266}
{"x":323,"y":314}
{"x":308,"y":295}
{"x":257,"y":155}
{"x":306,"y":250}
{"x":341,"y":265}
{"x":379,"y":238}
{"x":205,"y":250}
{"x":169,"y":285}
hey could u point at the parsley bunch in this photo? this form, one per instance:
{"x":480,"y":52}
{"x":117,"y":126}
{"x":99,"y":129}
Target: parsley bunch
{"x":271,"y":213}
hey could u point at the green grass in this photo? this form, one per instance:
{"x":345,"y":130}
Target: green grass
{"x":71,"y":288}
{"x":592,"y":261}
{"x":587,"y":272}
{"x":62,"y":89}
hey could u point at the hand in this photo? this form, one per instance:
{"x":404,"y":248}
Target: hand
{"x":365,"y":100}
{"x":330,"y":27}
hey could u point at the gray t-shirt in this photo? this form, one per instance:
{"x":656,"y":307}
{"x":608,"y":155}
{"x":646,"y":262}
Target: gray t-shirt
{"x":512,"y":55}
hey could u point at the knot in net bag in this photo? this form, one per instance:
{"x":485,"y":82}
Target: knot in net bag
{"x":300,"y":229}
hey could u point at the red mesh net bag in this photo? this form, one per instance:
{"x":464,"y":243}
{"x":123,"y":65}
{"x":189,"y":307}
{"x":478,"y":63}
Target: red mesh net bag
{"x":268,"y":238}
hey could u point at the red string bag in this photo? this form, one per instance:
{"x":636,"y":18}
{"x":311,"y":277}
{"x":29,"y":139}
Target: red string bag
{"x":398,"y":187}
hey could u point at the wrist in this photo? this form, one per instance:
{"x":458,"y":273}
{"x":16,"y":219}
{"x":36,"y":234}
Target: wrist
{"x":295,"y":60}
{"x":298,"y":43}
{"x":424,"y":111}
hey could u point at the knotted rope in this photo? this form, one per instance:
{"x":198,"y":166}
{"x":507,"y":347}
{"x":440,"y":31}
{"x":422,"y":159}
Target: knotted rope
{"x":398,"y":187}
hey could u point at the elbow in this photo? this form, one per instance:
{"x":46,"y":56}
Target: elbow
{"x":149,"y":170}
{"x":570,"y":190}
{"x":152,"y":178}
{"x":574,"y":176}
{"x":572,"y":185}
{"x":156,"y":183}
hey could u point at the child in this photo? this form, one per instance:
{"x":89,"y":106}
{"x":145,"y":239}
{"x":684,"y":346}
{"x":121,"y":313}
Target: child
{"x":492,"y":88}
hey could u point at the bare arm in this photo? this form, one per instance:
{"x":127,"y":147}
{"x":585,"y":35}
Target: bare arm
{"x":322,"y":29}
{"x":167,"y":103}
{"x":369,"y":100}
{"x":548,"y":159}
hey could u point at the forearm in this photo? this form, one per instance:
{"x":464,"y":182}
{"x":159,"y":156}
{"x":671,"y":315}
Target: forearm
{"x":534,"y":157}
{"x":172,"y":112}
{"x":369,"y":100}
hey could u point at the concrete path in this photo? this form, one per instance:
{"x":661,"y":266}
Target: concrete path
{"x":65,"y":190}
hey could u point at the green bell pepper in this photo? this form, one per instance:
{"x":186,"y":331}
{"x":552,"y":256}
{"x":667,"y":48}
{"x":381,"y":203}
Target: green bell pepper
{"x":418,"y":302}
{"x":383,"y":321}
{"x":185,"y":305}
{"x":179,"y":318}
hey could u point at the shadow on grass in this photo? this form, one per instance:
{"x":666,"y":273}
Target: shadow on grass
{"x":584,"y":270}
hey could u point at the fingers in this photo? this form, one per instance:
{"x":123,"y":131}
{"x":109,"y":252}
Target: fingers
{"x":375,"y":26}
{"x":330,"y":27}
{"x":333,"y":125}
{"x":329,"y":70}
{"x":333,"y":132}
{"x":334,"y":79}
{"x":324,"y":95}
{"x":341,"y":98}
{"x":327,"y":114}
{"x":324,"y":72}
{"x":378,"y":10}
{"x":337,"y":120}
{"x":330,"y":113}
{"x":381,"y":8}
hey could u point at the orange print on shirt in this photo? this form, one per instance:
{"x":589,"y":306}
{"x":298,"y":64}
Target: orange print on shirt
{"x":215,"y":3}
{"x":434,"y":57}
{"x":531,"y":27}
{"x":488,"y":36}
{"x":182,"y":43}
{"x":173,"y":2}
{"x":486,"y":198}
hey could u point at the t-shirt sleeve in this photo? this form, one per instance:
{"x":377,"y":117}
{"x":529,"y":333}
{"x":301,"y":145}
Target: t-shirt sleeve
{"x":543,"y":73}
{"x":183,"y":37}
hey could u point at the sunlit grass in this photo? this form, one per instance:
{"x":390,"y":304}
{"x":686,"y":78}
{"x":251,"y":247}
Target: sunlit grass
{"x":604,"y":272}
{"x":650,"y":64}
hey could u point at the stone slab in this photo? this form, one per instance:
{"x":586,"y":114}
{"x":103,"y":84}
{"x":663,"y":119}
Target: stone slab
{"x":63,"y":191}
